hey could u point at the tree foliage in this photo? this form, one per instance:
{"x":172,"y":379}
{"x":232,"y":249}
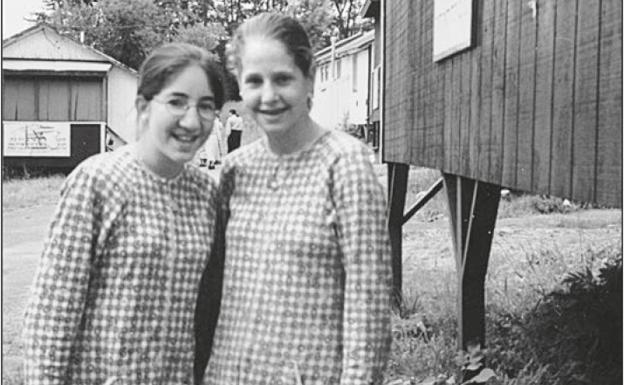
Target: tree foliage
{"x":129,"y":29}
{"x":316,"y":18}
{"x":206,"y":36}
{"x":125,"y":30}
{"x":321,"y":18}
{"x":345,"y":19}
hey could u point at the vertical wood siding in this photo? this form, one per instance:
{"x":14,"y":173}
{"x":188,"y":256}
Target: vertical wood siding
{"x":534,"y":105}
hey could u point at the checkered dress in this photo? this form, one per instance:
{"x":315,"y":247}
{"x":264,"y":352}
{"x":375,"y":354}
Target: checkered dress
{"x":306,"y":291}
{"x":116,"y":289}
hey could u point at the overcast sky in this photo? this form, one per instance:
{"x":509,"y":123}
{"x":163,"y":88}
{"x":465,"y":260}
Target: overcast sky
{"x":14,"y":12}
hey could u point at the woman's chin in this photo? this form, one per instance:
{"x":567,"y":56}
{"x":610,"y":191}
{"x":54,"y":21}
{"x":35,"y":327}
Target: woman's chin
{"x":181,"y":157}
{"x":272,"y":123}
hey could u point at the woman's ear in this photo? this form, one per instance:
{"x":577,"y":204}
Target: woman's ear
{"x":311,"y":78}
{"x":140,"y":104}
{"x":312,"y":71}
{"x":142,"y":108}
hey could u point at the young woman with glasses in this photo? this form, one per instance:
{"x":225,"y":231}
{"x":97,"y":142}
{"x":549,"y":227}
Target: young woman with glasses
{"x":115,"y":295}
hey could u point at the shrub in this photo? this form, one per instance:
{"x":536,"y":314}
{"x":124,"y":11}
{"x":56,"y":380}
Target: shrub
{"x":574,"y":336}
{"x":580,"y":326}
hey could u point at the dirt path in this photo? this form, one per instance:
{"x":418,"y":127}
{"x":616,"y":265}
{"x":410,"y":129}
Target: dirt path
{"x":23,"y":232}
{"x":521,"y":246}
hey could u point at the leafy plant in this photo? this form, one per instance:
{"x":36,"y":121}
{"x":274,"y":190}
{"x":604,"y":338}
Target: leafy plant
{"x":573,"y":335}
{"x":583,"y":320}
{"x":470,"y":361}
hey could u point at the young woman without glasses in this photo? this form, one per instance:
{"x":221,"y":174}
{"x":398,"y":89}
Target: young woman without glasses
{"x":306,"y":291}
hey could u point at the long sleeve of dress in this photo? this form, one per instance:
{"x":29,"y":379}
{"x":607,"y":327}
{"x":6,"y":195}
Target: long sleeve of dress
{"x":362,"y":231}
{"x":59,"y":291}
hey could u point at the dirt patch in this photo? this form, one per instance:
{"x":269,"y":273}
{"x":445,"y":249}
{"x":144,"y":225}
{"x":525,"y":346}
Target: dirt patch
{"x":520,"y":247}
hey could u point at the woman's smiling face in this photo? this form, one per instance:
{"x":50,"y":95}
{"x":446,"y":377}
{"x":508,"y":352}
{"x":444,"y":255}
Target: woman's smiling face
{"x":171,"y":140}
{"x":274,"y":90}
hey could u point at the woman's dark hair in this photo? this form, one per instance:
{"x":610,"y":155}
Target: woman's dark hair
{"x":277,"y":26}
{"x":169,"y":60}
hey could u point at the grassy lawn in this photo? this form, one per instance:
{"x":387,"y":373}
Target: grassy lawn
{"x":23,"y":193}
{"x":547,"y":310}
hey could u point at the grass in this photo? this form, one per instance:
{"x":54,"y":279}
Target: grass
{"x":538,"y":243}
{"x":21,"y":193}
{"x":522,"y":346}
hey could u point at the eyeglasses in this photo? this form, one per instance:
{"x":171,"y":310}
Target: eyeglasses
{"x":179,"y":106}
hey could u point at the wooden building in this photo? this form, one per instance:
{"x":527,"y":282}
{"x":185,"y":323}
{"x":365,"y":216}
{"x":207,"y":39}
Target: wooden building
{"x":62,"y":100}
{"x":533,"y":102}
{"x":525,"y":95}
{"x":372,"y":9}
{"x":343,"y":84}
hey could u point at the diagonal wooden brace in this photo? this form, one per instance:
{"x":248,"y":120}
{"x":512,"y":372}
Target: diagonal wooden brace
{"x":473,"y":207}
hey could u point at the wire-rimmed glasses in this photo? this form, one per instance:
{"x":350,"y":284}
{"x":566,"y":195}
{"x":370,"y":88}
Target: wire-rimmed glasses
{"x":178,"y":107}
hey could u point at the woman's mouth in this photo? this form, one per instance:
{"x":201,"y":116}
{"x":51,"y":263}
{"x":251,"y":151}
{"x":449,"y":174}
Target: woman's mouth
{"x":184,"y":138}
{"x":274,"y":111}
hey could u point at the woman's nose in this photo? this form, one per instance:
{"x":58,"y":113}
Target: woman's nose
{"x":191,"y":118}
{"x":269,"y":93}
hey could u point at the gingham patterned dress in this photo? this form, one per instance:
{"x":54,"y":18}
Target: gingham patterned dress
{"x":307,"y":276}
{"x":116,"y":289}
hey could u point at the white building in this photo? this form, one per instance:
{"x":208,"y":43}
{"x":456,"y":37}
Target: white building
{"x":344,"y":82}
{"x":62,"y":100}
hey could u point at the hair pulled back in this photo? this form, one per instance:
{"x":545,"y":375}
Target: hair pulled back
{"x":280,"y":27}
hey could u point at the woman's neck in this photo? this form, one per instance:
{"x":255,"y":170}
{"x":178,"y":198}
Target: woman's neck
{"x":296,"y":139}
{"x":157,"y":163}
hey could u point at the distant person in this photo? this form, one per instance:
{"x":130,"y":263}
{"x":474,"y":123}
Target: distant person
{"x":114,"y":298}
{"x":223,"y":139}
{"x":234,"y":128}
{"x":307,"y":265}
{"x":213,"y":150}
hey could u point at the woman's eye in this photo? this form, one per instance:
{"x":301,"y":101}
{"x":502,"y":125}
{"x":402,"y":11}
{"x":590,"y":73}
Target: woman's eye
{"x":207,"y":106}
{"x":177,"y":102}
{"x":281,"y":80}
{"x":253,"y":81}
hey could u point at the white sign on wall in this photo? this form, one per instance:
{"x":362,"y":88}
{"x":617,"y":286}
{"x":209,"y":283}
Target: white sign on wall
{"x":452,"y":27}
{"x":36,"y":139}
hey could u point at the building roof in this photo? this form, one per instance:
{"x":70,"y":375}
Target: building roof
{"x":43,"y":43}
{"x":346,"y":46}
{"x":55,"y":66}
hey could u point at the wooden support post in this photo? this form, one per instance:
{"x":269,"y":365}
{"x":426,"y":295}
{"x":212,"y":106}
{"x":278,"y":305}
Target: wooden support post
{"x":473,"y":206}
{"x":397,"y":189}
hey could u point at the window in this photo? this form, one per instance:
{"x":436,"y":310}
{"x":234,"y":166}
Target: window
{"x":48,"y":98}
{"x":376,"y":86}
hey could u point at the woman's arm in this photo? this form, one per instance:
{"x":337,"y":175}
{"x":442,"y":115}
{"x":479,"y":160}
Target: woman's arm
{"x":211,"y":286}
{"x":59,"y":291}
{"x":209,"y":301}
{"x":360,"y":205}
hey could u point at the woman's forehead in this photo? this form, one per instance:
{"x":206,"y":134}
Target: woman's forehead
{"x":266,"y":52}
{"x":191,"y":80}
